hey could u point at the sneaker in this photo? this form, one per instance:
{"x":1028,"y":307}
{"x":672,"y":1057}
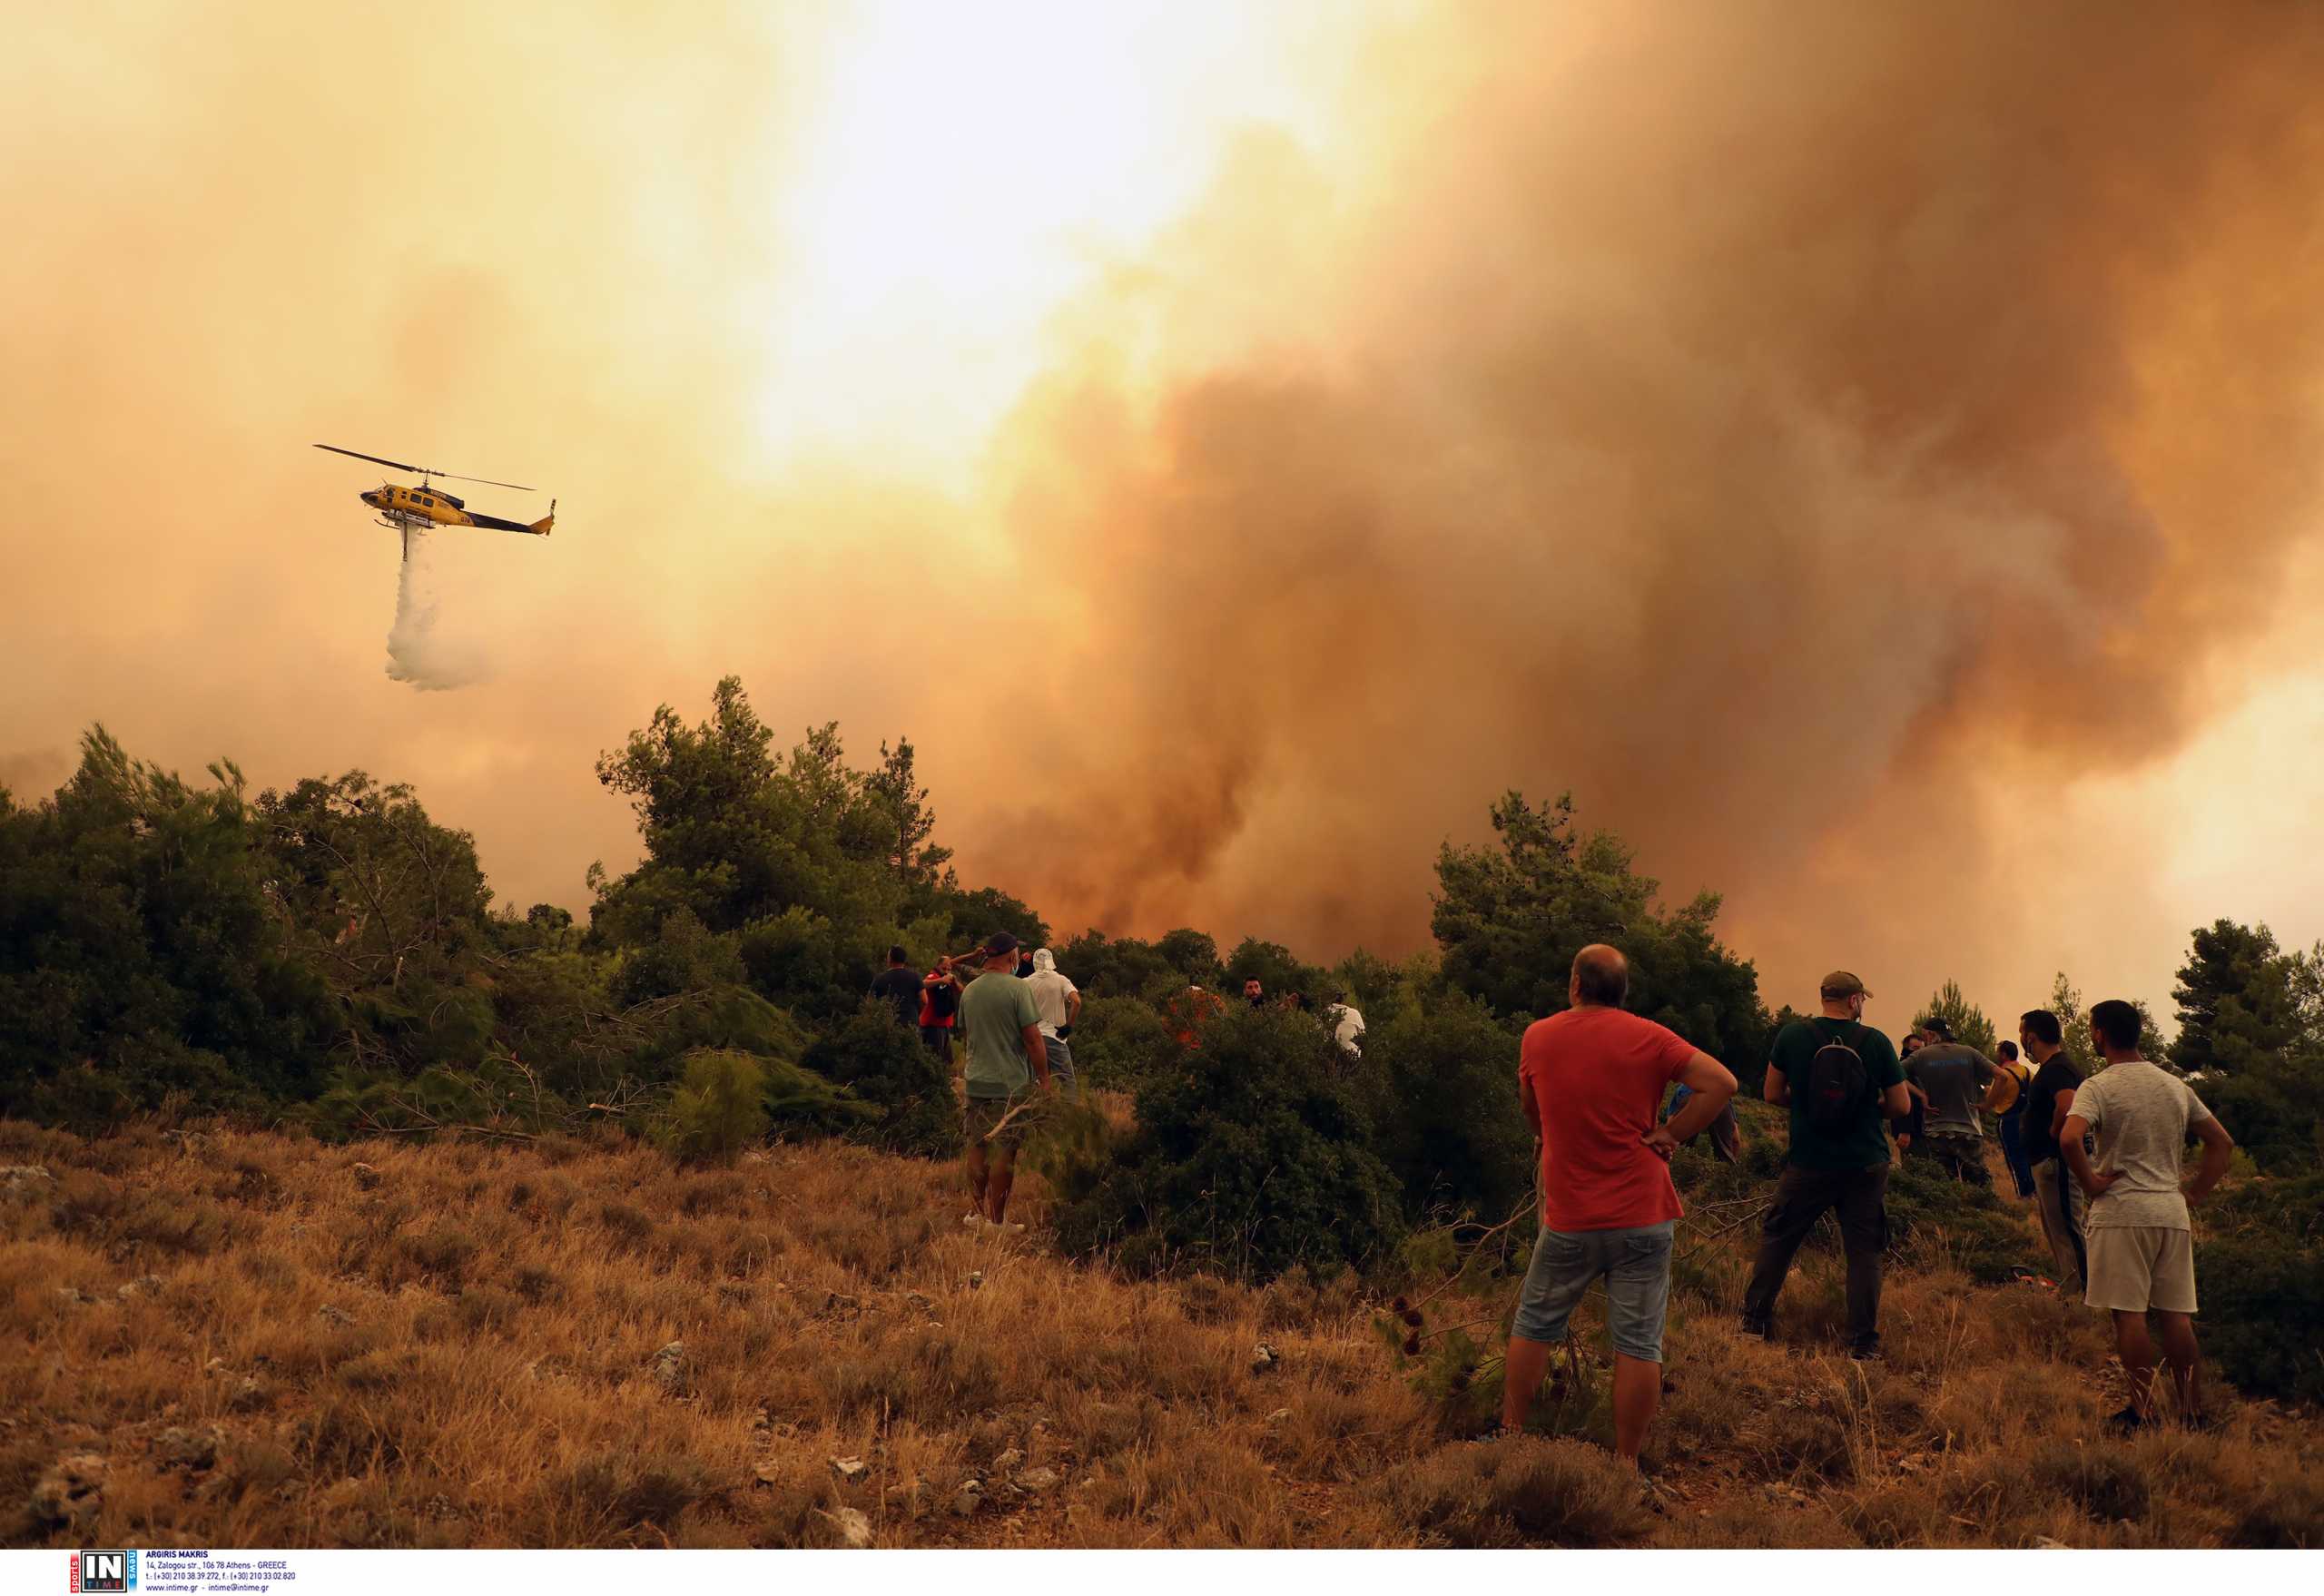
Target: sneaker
{"x":973,"y":1219}
{"x":1866,"y":1354}
{"x":2126,"y":1423}
{"x":1759,"y":1332}
{"x":1654,"y":1497}
{"x":1012,"y":1228}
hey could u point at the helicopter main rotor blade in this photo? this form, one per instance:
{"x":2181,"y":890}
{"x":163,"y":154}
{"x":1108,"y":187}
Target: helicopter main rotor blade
{"x":423,"y":470}
{"x":488,"y":482}
{"x":375,"y":459}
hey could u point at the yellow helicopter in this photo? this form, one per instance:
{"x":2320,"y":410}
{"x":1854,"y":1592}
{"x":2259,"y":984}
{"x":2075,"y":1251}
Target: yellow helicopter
{"x":428,"y":507}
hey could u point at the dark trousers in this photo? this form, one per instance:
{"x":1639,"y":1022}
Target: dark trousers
{"x":2013,"y":1149}
{"x":1861,"y":1199}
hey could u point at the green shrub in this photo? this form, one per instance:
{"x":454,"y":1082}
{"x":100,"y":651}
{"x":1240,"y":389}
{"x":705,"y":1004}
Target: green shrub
{"x":888,"y":1066}
{"x":1252,"y":1155}
{"x":1118,"y":1042}
{"x":718,"y":1109}
{"x":1450,"y":1125}
{"x":2259,"y":1261}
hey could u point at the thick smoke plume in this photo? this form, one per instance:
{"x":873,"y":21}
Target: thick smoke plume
{"x":417,"y":654}
{"x":1798,"y":428}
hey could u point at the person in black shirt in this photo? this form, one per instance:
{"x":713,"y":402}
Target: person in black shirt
{"x":900,"y":987}
{"x":2056,"y":1196}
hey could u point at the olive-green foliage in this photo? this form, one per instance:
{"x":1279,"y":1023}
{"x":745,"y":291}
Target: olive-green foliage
{"x":1443,"y":1082}
{"x":1511,"y":916}
{"x":2260,"y":1257}
{"x":1933,"y":1215}
{"x":1253,"y":1154}
{"x":2271,"y":1108}
{"x":887,"y":1065}
{"x":794,"y":855}
{"x":393,"y":910}
{"x":494,"y":1097}
{"x":1118,"y":1042}
{"x":141,"y":957}
{"x":2237,"y":996}
{"x":1121,"y":966}
{"x":718,"y":1109}
{"x":1278,"y":970}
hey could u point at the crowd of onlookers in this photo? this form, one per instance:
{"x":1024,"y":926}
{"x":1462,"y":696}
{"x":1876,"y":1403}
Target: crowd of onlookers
{"x":1611,"y":1095}
{"x":2099,"y":1158}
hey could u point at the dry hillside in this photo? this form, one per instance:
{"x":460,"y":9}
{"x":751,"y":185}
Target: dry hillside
{"x":253,"y":1339}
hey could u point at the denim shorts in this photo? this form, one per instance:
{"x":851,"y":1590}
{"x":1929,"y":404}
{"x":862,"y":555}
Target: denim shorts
{"x":1636,"y":1266}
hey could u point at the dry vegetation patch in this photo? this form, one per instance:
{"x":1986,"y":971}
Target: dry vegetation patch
{"x":255,"y":1339}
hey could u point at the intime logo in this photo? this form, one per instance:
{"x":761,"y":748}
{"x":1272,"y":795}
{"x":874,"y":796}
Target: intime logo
{"x":103,"y":1572}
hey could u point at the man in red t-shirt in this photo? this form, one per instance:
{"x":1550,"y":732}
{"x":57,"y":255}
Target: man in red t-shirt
{"x":1591,"y":1080}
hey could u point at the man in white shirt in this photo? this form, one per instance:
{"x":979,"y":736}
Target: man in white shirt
{"x":1347,"y":1026}
{"x":2142,"y":1250}
{"x":1058,"y":1000}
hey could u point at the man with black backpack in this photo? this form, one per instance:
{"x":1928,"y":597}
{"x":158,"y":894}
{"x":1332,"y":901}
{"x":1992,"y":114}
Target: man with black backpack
{"x":1841,"y":1079}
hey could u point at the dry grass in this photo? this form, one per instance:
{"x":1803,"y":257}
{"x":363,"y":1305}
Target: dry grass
{"x":249,"y":1339}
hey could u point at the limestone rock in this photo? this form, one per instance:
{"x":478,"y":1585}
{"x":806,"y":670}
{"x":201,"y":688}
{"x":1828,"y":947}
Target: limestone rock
{"x":365,"y":1176}
{"x":1039,"y":1480}
{"x":970,"y":1499}
{"x":1008,"y":1461}
{"x":181,"y":1448}
{"x":1264,"y":1357}
{"x":850,"y":1469}
{"x":143,"y":1285}
{"x":853,"y":1528}
{"x":671,"y":1370}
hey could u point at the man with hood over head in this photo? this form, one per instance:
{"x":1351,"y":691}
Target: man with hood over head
{"x":1058,"y":1000}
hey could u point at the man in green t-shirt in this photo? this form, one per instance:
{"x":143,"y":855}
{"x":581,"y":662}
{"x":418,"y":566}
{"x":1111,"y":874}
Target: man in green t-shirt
{"x":1836,"y":1161}
{"x":1006,"y":1056}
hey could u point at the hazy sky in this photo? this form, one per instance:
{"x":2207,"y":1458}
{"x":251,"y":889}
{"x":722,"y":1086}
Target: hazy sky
{"x":1869,"y":455}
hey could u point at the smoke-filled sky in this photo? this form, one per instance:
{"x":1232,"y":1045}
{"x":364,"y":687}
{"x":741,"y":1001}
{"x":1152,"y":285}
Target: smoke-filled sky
{"x":1872,"y":456}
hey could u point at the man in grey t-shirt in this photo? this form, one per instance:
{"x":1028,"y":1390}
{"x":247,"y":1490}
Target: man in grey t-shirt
{"x":1950,"y":1076}
{"x":2142,"y":1251}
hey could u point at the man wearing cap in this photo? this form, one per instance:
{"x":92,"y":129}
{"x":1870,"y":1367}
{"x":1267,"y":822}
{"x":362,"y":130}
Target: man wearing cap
{"x":1838,"y":1157}
{"x":1006,"y":1056}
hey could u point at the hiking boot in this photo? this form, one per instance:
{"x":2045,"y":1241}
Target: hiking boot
{"x":1759,"y":1332}
{"x":2126,"y":1423}
{"x":1866,"y":1354}
{"x":1655,"y":1497}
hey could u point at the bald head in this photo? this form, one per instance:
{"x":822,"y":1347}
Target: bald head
{"x":1601,"y":975}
